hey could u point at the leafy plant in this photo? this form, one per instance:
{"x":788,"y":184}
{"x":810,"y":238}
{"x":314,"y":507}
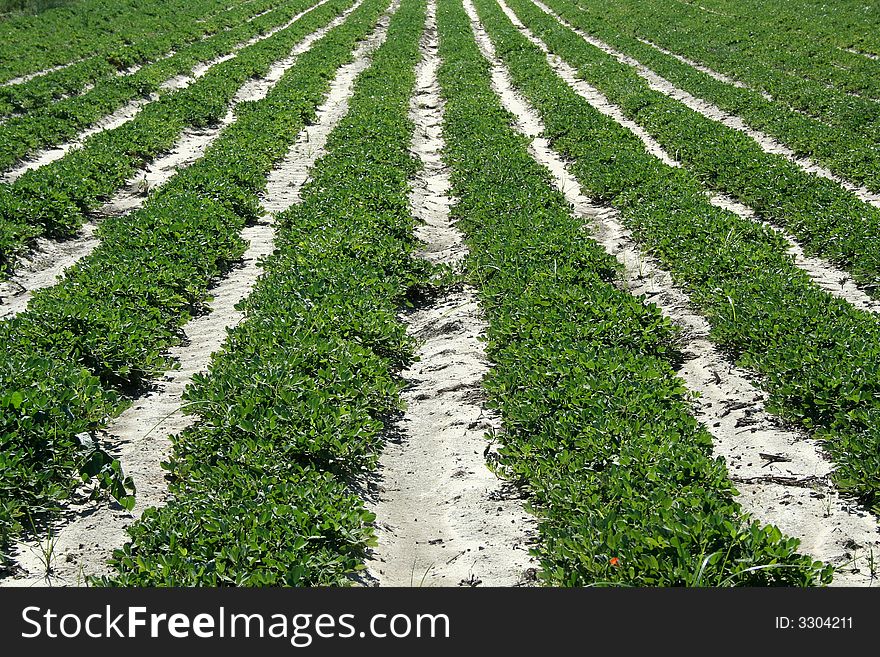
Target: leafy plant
{"x":295,"y":403}
{"x":597,"y":427}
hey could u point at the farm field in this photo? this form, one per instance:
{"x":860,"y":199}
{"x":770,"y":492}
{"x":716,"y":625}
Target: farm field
{"x":440,"y":293}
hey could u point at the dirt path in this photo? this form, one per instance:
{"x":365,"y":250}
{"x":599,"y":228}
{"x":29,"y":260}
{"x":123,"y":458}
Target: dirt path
{"x":30,"y":76}
{"x":85,"y":537}
{"x":867,"y":55}
{"x":131,"y":109}
{"x":721,"y":77}
{"x":782,"y":474}
{"x":443,"y":518}
{"x":48,"y":259}
{"x":830,"y":278}
{"x":767,"y":143}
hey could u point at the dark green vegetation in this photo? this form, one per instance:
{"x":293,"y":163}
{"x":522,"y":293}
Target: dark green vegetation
{"x":803,"y":73}
{"x":819,"y":357}
{"x":30,"y":6}
{"x":826,"y":219}
{"x":54,"y":199}
{"x":36,"y":36}
{"x":294,"y":407}
{"x":596,"y":425}
{"x":51,"y":119}
{"x":597,"y":431}
{"x":841,"y":149}
{"x":103,"y":331}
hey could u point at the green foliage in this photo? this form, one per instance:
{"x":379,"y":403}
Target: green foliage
{"x":105,"y":329}
{"x":56,"y":107}
{"x":839,"y":148}
{"x":800,"y":73}
{"x":825,"y":218}
{"x":40,"y":34}
{"x":817,"y":354}
{"x":54,"y":199}
{"x":295,"y":404}
{"x":596,"y":424}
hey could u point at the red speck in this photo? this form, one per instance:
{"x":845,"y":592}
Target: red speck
{"x":614,"y":561}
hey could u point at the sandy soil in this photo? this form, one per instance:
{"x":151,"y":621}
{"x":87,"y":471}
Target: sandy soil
{"x":867,"y":55}
{"x":30,"y":76}
{"x":705,"y":69}
{"x":131,"y":109}
{"x":782,"y":474}
{"x":442,"y":517}
{"x":88,"y":532}
{"x":46,"y":156}
{"x":48,"y":259}
{"x":768,"y":144}
{"x":826,"y":275}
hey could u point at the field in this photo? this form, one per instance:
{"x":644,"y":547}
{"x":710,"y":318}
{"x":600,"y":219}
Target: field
{"x":440,"y":293}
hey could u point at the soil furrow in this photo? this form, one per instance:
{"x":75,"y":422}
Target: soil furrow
{"x":732,"y":409}
{"x":768,"y":144}
{"x":443,"y":518}
{"x":823,"y":273}
{"x":705,"y":69}
{"x":30,"y":76}
{"x":131,"y":109}
{"x":867,"y":55}
{"x":87,"y":534}
{"x":48,"y":259}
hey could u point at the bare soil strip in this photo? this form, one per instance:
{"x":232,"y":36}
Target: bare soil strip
{"x":442,"y":517}
{"x":86,"y":536}
{"x":781,"y":473}
{"x":867,"y":55}
{"x":48,"y":259}
{"x":131,"y":109}
{"x":46,"y":156}
{"x":705,"y":69}
{"x":178,"y":81}
{"x":768,"y":144}
{"x":30,"y":76}
{"x":825,"y":274}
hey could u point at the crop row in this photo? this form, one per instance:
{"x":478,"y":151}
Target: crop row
{"x":847,"y":25}
{"x":62,"y":35}
{"x":827,"y":219}
{"x":63,"y":120}
{"x":596,"y":424}
{"x":838,"y":148}
{"x":103,"y":330}
{"x":784,"y":36}
{"x":55,"y":198}
{"x":818,"y":355}
{"x":293,"y":408}
{"x":699,"y":41}
{"x":46,"y":89}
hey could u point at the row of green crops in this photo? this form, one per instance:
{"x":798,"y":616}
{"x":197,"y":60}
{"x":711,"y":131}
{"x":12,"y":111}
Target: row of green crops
{"x":781,"y":34}
{"x":295,"y":404}
{"x":64,"y":120}
{"x":29,"y":44}
{"x":825,"y":218}
{"x":596,"y":424}
{"x":51,"y":87}
{"x":843,"y":151}
{"x":55,"y":199}
{"x":819,"y":356}
{"x":700,"y":40}
{"x":847,"y":24}
{"x":104,"y":329}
